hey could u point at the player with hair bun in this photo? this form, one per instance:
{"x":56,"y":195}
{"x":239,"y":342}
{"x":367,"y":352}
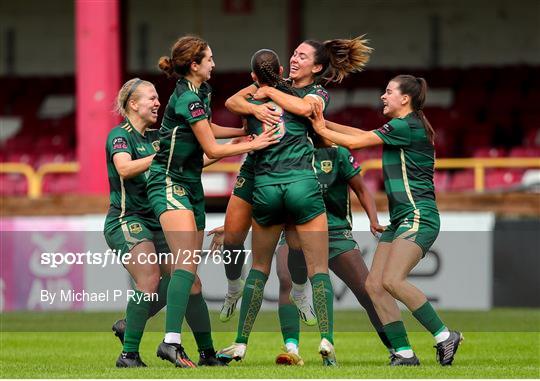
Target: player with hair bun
{"x":174,"y":184}
{"x":132,"y":227}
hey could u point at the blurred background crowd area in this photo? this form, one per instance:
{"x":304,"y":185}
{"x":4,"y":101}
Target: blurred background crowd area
{"x":480,"y":58}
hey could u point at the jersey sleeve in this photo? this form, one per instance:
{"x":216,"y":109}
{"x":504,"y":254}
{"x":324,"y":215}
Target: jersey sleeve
{"x":320,"y":93}
{"x":395,"y":133}
{"x":191,"y":107}
{"x":118,"y":141}
{"x":348,"y":166}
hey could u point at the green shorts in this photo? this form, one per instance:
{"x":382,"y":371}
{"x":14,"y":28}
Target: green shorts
{"x":297,"y":202}
{"x":420,"y":226}
{"x":245,"y":181}
{"x":132,"y":230}
{"x":165,"y":194}
{"x":340,"y":242}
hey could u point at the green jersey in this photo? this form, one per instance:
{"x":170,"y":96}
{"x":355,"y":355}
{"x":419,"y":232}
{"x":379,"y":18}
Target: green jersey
{"x":408,"y":160}
{"x":181,"y":156}
{"x":291,"y":159}
{"x":335,"y":166}
{"x":128,"y":196}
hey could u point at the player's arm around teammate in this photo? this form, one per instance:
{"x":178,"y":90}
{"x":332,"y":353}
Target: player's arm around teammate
{"x":174,"y":185}
{"x":408,"y":146}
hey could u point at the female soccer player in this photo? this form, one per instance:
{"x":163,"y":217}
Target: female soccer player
{"x":312,"y":62}
{"x":174,"y":184}
{"x":336,"y":171}
{"x":408,"y":162}
{"x":286,"y":188}
{"x":131,"y":225}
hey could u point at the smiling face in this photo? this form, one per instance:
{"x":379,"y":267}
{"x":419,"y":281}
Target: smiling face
{"x":394,"y":102}
{"x":302,"y":63}
{"x":145,"y":103}
{"x":204,"y":69}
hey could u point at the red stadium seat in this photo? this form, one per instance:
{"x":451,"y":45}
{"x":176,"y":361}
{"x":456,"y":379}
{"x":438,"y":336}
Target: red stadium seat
{"x":462,"y":181}
{"x":503,"y":179}
{"x":525,"y":152}
{"x":441,"y":180}
{"x":489,"y":152}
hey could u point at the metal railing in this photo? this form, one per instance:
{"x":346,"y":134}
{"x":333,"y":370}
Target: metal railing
{"x":479,"y":165}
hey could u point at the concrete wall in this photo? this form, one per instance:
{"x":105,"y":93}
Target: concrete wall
{"x":404,"y":33}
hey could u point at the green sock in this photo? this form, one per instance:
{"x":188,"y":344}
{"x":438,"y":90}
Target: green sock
{"x":136,"y":317}
{"x":427,"y":316}
{"x":384,"y":338}
{"x":177,"y":299}
{"x":198,"y":320}
{"x":397,"y":335}
{"x":251,"y":304}
{"x":323,"y":304}
{"x":290,"y":323}
{"x":234,"y":258}
{"x":297,"y":266}
{"x":161,"y":302}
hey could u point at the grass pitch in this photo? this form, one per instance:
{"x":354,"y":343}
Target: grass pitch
{"x":52,"y":345}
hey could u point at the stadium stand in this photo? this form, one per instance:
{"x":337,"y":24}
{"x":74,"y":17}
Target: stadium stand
{"x":479,"y":112}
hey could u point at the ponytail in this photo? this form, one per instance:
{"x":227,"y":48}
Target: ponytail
{"x":265,"y":65}
{"x":340,"y":57}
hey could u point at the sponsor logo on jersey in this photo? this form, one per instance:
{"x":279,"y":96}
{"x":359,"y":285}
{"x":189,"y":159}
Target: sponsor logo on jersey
{"x":141,"y":149}
{"x":326,"y":166}
{"x":155,"y":144}
{"x":240,"y":182}
{"x":196,"y":109}
{"x":386,"y":129}
{"x":135,"y":228}
{"x":323,"y":94}
{"x":119,"y":143}
{"x":353,"y":162}
{"x":178,"y":190}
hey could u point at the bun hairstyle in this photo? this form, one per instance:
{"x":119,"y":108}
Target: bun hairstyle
{"x":265,"y":65}
{"x":340,"y":57}
{"x":416,"y":88}
{"x":184,"y":52}
{"x":129,"y":90}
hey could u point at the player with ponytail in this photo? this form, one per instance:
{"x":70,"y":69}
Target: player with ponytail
{"x":408,"y":165}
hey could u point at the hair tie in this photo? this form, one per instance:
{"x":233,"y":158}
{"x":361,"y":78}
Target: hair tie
{"x":130,"y":92}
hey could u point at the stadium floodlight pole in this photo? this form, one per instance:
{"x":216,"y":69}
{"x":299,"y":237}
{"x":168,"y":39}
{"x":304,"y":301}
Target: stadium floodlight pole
{"x":97,"y":46}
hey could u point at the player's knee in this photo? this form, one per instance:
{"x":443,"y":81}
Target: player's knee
{"x":390,"y":283}
{"x":374,"y":286}
{"x":285,"y":283}
{"x":149,"y":283}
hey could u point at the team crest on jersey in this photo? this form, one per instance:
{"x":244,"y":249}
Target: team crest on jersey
{"x":155,"y":144}
{"x":240,"y":182}
{"x":135,"y":228}
{"x":326,"y":166}
{"x":178,"y":190}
